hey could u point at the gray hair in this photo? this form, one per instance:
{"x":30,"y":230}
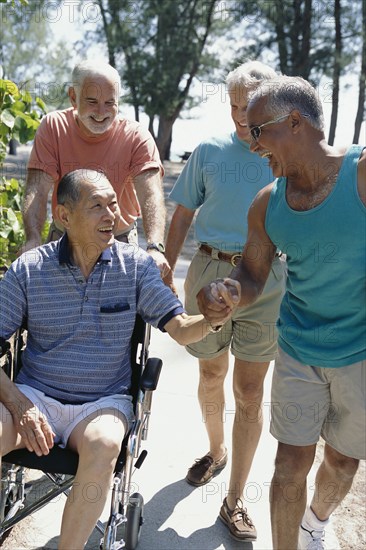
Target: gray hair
{"x":89,"y":68}
{"x":249,"y":74}
{"x":71,"y":184}
{"x":286,"y":93}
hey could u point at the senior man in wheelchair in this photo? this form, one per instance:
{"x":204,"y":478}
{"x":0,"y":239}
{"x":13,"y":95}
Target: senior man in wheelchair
{"x":80,"y":296}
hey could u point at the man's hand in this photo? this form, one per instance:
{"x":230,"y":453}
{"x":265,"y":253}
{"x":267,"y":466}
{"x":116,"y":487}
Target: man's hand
{"x":169,"y":281}
{"x":217,"y":300}
{"x":160,"y":261}
{"x":34,"y":428}
{"x":28,"y":245}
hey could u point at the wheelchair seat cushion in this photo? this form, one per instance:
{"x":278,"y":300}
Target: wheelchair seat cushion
{"x":58,"y":461}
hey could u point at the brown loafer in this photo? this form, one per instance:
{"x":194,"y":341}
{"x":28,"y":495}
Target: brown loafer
{"x":239,"y":523}
{"x":204,"y":469}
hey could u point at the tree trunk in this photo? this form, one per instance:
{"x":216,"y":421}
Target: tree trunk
{"x":167,"y":151}
{"x":13,"y":146}
{"x":151,"y":125}
{"x":336,"y":71}
{"x":108,"y":35}
{"x":164,"y":137}
{"x":362,"y":85}
{"x":306,"y":40}
{"x":137,"y":112}
{"x":281,"y":38}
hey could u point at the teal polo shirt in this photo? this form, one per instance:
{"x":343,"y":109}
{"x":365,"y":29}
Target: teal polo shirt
{"x":221,"y":179}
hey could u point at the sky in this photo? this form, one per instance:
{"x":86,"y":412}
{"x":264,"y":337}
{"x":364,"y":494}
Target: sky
{"x":212,"y":116}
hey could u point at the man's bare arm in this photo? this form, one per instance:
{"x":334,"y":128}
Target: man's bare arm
{"x":186,"y":329}
{"x":149,"y":191}
{"x":179,"y":226}
{"x":37,"y":189}
{"x":30,"y":423}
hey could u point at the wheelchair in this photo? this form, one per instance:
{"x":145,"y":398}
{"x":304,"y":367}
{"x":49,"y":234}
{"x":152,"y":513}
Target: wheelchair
{"x":60,"y":465}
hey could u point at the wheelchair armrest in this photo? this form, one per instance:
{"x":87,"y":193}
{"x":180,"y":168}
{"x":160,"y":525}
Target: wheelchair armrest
{"x":150,"y":376}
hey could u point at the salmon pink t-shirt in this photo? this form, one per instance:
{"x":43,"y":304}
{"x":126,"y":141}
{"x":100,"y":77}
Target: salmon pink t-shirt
{"x":121,"y":153}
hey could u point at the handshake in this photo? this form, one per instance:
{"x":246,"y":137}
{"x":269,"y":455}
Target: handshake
{"x":218,"y":300}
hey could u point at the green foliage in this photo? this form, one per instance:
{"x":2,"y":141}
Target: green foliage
{"x":37,"y":61}
{"x":11,"y":228}
{"x":14,"y":2}
{"x":301,"y":33}
{"x":18,"y":120}
{"x":161,"y":46}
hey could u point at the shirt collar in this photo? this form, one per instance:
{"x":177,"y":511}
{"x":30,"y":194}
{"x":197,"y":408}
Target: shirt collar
{"x":243,"y":143}
{"x":64,"y":256}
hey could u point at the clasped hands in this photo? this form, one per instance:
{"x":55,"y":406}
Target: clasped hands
{"x":218,"y":300}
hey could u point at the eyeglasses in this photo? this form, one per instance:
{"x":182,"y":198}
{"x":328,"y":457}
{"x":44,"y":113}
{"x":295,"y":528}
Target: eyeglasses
{"x":256,"y":131}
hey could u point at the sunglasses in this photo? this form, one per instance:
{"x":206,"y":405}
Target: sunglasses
{"x":256,"y":131}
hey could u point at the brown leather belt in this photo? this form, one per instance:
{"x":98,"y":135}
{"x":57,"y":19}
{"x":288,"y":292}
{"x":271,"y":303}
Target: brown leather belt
{"x":232,"y":259}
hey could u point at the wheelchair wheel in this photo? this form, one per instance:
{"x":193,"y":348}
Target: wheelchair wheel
{"x":11,"y":496}
{"x":135,"y":519}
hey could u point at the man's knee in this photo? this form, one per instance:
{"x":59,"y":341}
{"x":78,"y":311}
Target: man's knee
{"x":100,"y":453}
{"x":100,"y":442}
{"x":344,"y":466}
{"x":8,"y":433}
{"x":213,"y":372}
{"x":293,"y":462}
{"x":248,"y":382}
{"x":249,"y":395}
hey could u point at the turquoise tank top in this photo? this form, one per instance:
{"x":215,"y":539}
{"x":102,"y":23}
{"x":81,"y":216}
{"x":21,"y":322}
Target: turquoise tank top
{"x":322,"y":318}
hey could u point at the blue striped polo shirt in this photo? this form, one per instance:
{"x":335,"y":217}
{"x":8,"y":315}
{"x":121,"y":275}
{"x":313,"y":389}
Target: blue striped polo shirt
{"x":79,"y":331}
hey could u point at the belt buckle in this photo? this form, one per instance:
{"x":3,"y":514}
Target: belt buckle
{"x":234,"y":260}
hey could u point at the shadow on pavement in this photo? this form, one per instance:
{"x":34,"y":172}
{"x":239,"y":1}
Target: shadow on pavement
{"x":155,"y":537}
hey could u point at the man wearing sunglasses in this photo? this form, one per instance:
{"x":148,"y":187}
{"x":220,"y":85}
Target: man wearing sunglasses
{"x":315,"y":213}
{"x":220,"y":180}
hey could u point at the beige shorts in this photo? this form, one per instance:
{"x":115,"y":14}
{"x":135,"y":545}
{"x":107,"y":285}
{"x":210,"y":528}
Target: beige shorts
{"x":251,"y":332}
{"x":64,"y":418}
{"x":311,"y":401}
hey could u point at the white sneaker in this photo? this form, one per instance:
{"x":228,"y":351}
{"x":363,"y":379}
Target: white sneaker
{"x":318,"y":540}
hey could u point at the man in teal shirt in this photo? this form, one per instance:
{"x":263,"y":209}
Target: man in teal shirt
{"x":220,"y":180}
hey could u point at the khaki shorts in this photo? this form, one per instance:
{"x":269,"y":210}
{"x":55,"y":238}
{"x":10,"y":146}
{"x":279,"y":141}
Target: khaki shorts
{"x":311,"y":401}
{"x":64,"y":418}
{"x":251,"y":332}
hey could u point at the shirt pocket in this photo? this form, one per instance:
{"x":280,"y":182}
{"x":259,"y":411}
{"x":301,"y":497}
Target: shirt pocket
{"x":117,"y":322}
{"x":117,"y":308}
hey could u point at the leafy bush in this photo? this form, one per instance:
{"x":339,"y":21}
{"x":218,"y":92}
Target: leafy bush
{"x":11,"y":228}
{"x":18,"y":120}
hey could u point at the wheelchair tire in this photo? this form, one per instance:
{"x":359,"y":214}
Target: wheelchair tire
{"x":134,"y":521}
